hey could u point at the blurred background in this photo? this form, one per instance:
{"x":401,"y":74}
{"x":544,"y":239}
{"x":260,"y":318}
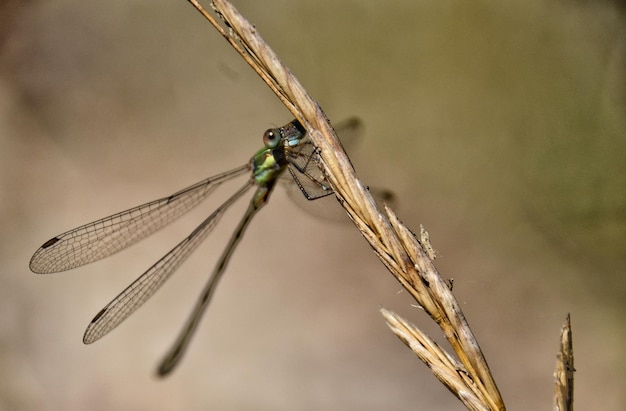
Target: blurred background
{"x":500,"y":127}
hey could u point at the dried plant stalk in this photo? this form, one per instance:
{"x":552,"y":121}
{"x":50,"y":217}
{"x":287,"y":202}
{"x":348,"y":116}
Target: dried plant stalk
{"x":564,"y":374}
{"x":396,"y":246}
{"x":447,"y":369}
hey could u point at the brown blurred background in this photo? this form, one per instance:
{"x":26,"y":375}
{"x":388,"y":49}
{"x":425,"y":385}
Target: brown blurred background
{"x":499,"y":126}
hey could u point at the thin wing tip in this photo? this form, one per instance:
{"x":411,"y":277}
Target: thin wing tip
{"x":33,"y":267}
{"x":36,"y":265}
{"x":89,"y":337}
{"x":47,"y":259}
{"x":91,"y":333}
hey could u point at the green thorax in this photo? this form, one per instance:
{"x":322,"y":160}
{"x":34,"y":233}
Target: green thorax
{"x":270,"y":162}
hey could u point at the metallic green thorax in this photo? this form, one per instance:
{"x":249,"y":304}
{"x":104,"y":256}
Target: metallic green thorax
{"x":270,"y":162}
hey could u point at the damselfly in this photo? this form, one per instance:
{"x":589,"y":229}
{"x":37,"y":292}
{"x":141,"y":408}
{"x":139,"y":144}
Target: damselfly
{"x":286,"y":148}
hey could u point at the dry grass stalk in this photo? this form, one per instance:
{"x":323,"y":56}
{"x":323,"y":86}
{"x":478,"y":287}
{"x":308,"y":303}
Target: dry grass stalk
{"x":396,"y":246}
{"x":564,"y":374}
{"x":446,"y":368}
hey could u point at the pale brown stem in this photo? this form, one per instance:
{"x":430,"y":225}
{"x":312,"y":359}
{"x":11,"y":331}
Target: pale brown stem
{"x":406,"y":257}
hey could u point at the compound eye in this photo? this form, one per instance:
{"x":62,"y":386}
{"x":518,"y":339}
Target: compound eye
{"x":271,"y":138}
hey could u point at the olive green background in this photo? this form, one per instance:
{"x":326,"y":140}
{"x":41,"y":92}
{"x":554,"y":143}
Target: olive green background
{"x":499,"y":126}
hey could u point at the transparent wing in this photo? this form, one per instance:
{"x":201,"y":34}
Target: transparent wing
{"x":350,"y":132}
{"x":149,"y":282}
{"x":101,"y":238}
